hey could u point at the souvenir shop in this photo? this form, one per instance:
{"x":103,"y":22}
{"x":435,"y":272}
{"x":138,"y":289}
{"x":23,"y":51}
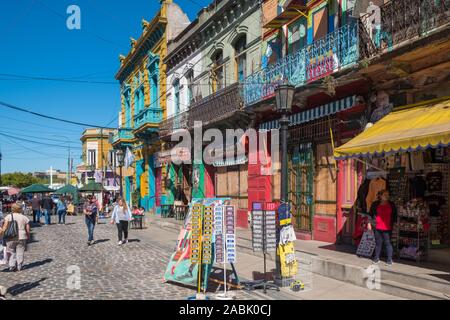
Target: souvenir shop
{"x":407,"y":153}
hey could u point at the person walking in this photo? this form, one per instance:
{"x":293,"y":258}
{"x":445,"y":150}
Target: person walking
{"x":384,"y":214}
{"x":36,"y":207}
{"x":47,"y":208}
{"x":90,"y":214}
{"x":61,"y":208}
{"x":16,"y":245}
{"x":121,"y":216}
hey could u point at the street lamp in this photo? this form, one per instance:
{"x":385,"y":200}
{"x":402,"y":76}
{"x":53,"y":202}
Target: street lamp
{"x":284,"y":95}
{"x":120,"y":160}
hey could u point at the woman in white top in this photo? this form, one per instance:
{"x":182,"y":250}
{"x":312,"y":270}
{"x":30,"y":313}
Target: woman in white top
{"x":121,"y":216}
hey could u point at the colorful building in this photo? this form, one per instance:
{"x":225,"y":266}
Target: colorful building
{"x":99,"y":159}
{"x":142,"y":76}
{"x":204,"y":66}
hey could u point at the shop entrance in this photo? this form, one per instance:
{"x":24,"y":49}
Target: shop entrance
{"x":301,"y":187}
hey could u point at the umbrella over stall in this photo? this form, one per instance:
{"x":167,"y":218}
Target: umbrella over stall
{"x":69,"y":189}
{"x":37,"y":188}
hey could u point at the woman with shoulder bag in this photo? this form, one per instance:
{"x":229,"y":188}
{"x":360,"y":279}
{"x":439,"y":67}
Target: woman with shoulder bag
{"x":16,"y":230}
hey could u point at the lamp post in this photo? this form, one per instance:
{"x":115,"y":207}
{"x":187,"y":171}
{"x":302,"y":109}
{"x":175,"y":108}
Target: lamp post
{"x":69,"y":166}
{"x":284,"y":95}
{"x":120,"y":159}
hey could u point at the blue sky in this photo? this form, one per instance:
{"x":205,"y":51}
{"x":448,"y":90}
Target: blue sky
{"x":34,"y":41}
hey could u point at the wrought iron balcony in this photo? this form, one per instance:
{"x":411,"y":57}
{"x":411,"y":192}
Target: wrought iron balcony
{"x":403,"y":20}
{"x":170,"y":125}
{"x":338,"y":50}
{"x":151,"y":116}
{"x":122,"y":136}
{"x":216,"y":107}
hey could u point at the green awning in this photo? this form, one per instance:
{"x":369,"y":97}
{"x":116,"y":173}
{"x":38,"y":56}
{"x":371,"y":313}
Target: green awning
{"x":67,"y":189}
{"x":92,"y":186}
{"x":37,"y":188}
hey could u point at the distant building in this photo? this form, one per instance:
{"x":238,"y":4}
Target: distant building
{"x":99,"y":159}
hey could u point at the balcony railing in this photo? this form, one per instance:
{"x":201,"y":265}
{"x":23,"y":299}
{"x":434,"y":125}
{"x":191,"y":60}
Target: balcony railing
{"x":217,"y":106}
{"x":403,"y":20}
{"x":148,"y":115}
{"x":169,"y":125}
{"x":337,"y":50}
{"x":123,"y":134}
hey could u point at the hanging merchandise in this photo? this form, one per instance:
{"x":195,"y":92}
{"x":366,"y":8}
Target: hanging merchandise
{"x":287,"y":234}
{"x":375,"y":186}
{"x":230,"y":235}
{"x":288,"y":261}
{"x":218,"y":233}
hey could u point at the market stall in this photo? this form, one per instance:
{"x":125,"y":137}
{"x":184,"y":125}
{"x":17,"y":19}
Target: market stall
{"x":407,"y":152}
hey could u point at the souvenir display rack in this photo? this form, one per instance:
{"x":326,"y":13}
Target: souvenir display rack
{"x":413,"y":239}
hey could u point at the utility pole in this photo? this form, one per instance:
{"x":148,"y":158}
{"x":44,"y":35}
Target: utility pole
{"x":1,"y":183}
{"x":51,"y":176}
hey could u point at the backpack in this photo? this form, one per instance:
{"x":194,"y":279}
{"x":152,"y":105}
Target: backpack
{"x":12,"y":231}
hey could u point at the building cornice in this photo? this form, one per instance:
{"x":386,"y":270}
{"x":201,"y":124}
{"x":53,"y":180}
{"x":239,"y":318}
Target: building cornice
{"x":153,"y":31}
{"x":220,"y":23}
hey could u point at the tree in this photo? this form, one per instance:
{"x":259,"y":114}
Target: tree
{"x":20,"y":180}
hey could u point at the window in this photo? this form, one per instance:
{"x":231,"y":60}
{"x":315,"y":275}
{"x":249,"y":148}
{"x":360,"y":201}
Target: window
{"x":190,"y":85}
{"x":154,"y":91}
{"x":240,"y":57}
{"x":217,"y":71}
{"x":176,"y":100}
{"x":297,"y":35}
{"x":112,"y":159}
{"x":127,"y":111}
{"x":92,"y":158}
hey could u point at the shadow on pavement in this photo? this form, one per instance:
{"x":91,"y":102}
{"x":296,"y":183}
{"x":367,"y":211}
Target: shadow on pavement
{"x":23,"y":287}
{"x":36,"y":264}
{"x":101,"y":241}
{"x":134,"y":240}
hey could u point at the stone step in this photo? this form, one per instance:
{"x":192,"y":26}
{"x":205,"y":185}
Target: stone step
{"x":419,"y":281}
{"x":394,"y":283}
{"x":410,"y":292}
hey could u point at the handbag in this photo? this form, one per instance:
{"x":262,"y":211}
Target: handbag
{"x":367,"y":244}
{"x":13,"y":230}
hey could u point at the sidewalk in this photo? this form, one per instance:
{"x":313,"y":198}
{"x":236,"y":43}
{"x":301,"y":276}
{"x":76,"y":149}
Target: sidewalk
{"x":250,"y":267}
{"x":407,"y":279}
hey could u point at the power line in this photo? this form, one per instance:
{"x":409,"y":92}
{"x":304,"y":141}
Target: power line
{"x":26,"y":77}
{"x":30,"y":149}
{"x":49,"y":139}
{"x":41,"y":125}
{"x":35,"y":142}
{"x":7,"y":105}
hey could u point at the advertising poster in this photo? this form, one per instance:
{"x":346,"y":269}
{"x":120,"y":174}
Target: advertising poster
{"x":181,"y":267}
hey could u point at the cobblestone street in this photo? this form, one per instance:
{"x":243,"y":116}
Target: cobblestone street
{"x":132,"y":271}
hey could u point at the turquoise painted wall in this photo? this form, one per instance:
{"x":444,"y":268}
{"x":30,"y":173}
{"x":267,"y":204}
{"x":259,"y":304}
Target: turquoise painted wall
{"x":151,"y":184}
{"x":198,"y":181}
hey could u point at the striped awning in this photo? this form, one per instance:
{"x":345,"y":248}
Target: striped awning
{"x":312,"y":114}
{"x":230,"y":162}
{"x":291,"y":10}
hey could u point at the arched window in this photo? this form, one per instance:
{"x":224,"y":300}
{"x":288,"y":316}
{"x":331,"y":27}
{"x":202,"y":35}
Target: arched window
{"x":240,"y":57}
{"x":190,"y":86}
{"x":217,"y":71}
{"x":176,"y":99}
{"x":127,"y":110}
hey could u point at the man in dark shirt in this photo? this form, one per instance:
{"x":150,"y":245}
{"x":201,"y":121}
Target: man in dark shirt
{"x":36,"y":207}
{"x":47,"y":207}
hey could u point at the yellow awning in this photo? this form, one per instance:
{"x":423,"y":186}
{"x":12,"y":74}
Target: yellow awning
{"x":415,"y":127}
